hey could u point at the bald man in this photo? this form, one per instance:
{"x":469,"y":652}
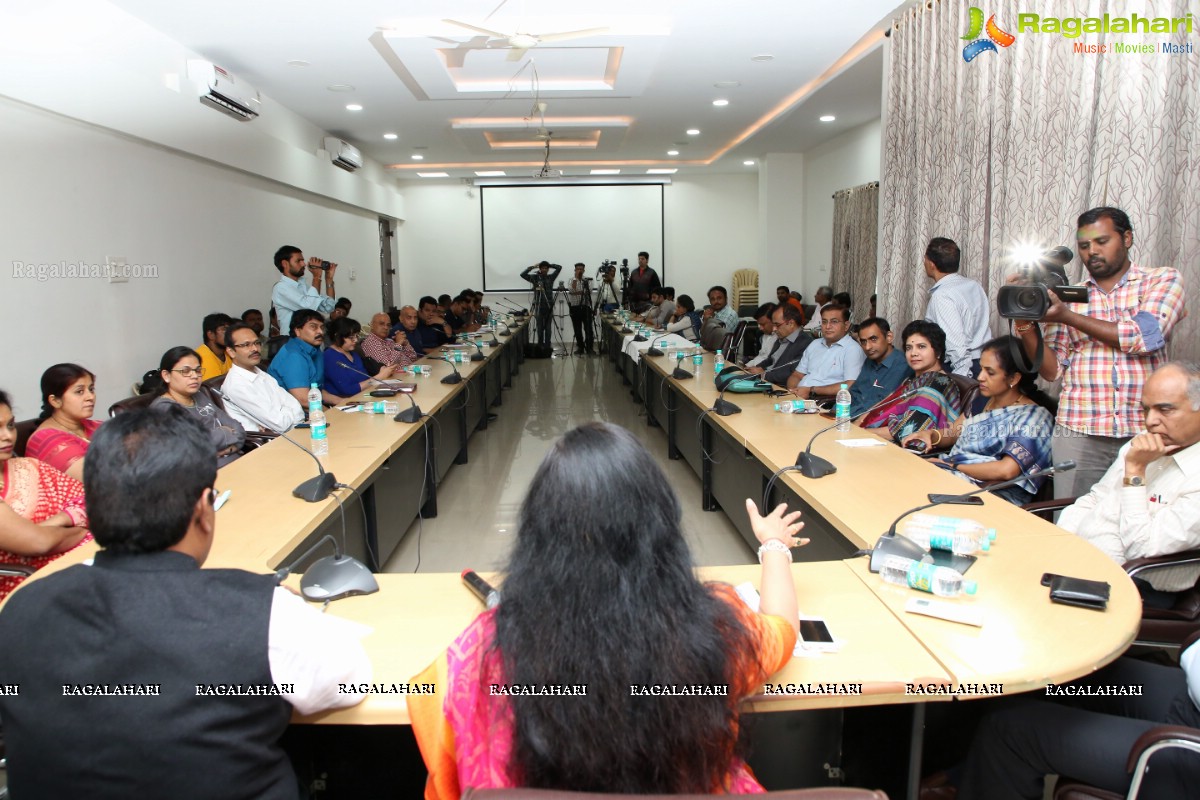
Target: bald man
{"x":395,"y":351}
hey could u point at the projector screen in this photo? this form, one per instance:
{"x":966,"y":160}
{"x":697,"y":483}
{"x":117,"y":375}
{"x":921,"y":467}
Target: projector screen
{"x":523,"y":225}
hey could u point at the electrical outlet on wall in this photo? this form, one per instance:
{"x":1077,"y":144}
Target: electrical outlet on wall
{"x":353,"y":274}
{"x":117,"y":269}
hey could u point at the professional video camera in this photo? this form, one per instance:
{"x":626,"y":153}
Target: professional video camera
{"x":1046,"y":273}
{"x":606,"y":266}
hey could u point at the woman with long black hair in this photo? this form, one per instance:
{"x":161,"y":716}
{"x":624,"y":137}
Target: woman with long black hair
{"x":600,"y":598}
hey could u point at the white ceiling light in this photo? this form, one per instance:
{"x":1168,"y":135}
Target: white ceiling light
{"x":491,"y":173}
{"x":340,"y":87}
{"x":606,"y":172}
{"x":297,"y":62}
{"x":720,"y":102}
{"x":763,"y":57}
{"x":672,"y":152}
{"x":827,"y":118}
{"x":353,"y":107}
{"x":418,"y":157}
{"x":749,"y":162}
{"x":693,"y":132}
{"x":661,"y":171}
{"x":389,"y":136}
{"x":433,"y":174}
{"x":726,"y":84}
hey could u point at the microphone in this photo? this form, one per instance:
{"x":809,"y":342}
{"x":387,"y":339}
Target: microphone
{"x":494,"y":342}
{"x":519,"y":311}
{"x":478,"y":354}
{"x":816,"y":467}
{"x":723,"y":407}
{"x":488,"y":595}
{"x":457,"y":376}
{"x":1059,"y":257}
{"x":892,"y":545}
{"x":331,"y":577}
{"x":314,"y":490}
{"x":679,"y":373}
{"x":654,"y":351}
{"x":384,"y":392}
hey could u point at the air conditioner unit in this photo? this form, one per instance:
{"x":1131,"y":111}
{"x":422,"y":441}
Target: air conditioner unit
{"x":219,"y":89}
{"x":343,"y":154}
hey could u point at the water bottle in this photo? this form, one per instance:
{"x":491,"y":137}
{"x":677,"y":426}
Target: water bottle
{"x":941,"y":581}
{"x":382,"y":407}
{"x":719,"y":362}
{"x":842,"y":409}
{"x":962,"y":537}
{"x":790,"y":407}
{"x":316,"y":423}
{"x":697,"y":361}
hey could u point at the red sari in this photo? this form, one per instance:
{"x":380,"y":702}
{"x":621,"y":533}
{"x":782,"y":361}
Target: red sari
{"x":37,"y":491}
{"x":58,"y":448}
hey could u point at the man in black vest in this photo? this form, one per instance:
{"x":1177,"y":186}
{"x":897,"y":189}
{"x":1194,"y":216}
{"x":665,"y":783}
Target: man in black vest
{"x":145,"y":676}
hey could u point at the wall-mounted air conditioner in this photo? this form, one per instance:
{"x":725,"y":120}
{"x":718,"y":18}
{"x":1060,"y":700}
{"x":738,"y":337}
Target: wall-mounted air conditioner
{"x":219,"y":89}
{"x":343,"y":154}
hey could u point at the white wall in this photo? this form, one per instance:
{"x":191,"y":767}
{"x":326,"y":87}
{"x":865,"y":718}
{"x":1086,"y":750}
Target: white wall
{"x":78,"y":194}
{"x":848,"y":160}
{"x":710,"y":222}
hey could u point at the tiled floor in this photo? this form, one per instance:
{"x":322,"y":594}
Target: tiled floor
{"x":479,"y":501}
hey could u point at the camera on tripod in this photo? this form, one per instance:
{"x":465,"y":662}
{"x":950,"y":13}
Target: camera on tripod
{"x":1045,"y":273}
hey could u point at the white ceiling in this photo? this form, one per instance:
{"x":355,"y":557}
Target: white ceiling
{"x":618,"y":99}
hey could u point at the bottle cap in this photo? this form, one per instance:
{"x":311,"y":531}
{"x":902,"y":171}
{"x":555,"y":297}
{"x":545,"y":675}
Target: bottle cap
{"x":969,"y":587}
{"x":985,"y":545}
{"x":991,"y":534}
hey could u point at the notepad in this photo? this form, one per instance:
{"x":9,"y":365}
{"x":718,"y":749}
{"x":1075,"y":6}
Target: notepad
{"x":872,"y":442}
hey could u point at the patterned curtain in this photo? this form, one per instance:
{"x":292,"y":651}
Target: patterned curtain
{"x":855,"y":240}
{"x":1009,"y":148}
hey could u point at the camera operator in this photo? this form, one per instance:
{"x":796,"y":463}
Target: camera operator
{"x":607,"y":298}
{"x":543,"y":295}
{"x":642,"y":281}
{"x":579,"y":303}
{"x":1106,"y":353}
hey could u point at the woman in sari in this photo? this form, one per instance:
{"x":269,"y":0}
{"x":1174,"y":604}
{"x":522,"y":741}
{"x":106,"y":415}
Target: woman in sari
{"x":1008,"y":436}
{"x":686,"y":321}
{"x":181,"y":373}
{"x":929,"y":399}
{"x":68,"y":400}
{"x":42,"y":514}
{"x":602,"y":595}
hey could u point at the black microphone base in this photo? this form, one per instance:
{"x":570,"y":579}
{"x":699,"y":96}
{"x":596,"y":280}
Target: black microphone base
{"x":626,"y":330}
{"x":477,"y":357}
{"x":640,"y":338}
{"x":724,"y":408}
{"x":455,"y":378}
{"x":316,"y":489}
{"x":654,"y":351}
{"x":493,"y":344}
{"x":681,"y":374}
{"x":412,"y":414}
{"x":892,"y":545}
{"x":506,"y":333}
{"x":814,"y":466}
{"x":383,"y":393}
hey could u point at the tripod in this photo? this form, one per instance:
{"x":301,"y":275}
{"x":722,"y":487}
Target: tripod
{"x":579,"y":305}
{"x":560,"y":300}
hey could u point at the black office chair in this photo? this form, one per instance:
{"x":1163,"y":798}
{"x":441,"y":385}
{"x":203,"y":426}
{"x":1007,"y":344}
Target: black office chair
{"x":25,"y":429}
{"x":733,"y":341}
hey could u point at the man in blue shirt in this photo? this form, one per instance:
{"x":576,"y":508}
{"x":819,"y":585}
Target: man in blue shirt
{"x":289,"y":294}
{"x":884,"y":370}
{"x":830,"y":361}
{"x":719,"y":310}
{"x":299,"y":363}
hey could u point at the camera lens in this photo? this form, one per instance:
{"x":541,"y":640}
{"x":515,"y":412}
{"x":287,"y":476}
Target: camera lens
{"x":1029,"y":298}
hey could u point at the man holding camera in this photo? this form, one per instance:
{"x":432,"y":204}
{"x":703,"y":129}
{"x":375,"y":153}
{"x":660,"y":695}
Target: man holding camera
{"x":1106,"y":352}
{"x":541,"y":277}
{"x":290,"y":295}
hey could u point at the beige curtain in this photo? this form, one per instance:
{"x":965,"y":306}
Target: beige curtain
{"x":1010,"y":148}
{"x":855,"y":241}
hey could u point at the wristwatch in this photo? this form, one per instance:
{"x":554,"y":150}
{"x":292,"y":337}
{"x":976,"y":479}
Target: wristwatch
{"x":1136,"y":480}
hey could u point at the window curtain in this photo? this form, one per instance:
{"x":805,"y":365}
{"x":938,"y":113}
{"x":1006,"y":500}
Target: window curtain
{"x":1009,"y":148}
{"x":855,"y":241}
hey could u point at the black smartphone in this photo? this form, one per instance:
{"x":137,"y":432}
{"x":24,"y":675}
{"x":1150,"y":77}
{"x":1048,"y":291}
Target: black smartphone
{"x":815,"y":631}
{"x":956,"y":499}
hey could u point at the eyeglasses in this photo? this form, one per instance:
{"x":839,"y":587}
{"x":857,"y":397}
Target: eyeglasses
{"x":832,"y":322}
{"x":244,"y":345}
{"x":188,"y":372}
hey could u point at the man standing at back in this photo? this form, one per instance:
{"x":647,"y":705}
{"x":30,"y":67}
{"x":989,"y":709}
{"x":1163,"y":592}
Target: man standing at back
{"x":166,"y":679}
{"x":958,"y":305}
{"x":642,"y":281}
{"x":290,"y":294}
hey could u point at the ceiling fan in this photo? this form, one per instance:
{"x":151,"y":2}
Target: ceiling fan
{"x":520,"y":42}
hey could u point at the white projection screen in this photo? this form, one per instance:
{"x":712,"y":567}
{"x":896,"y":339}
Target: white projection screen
{"x":523,"y":225}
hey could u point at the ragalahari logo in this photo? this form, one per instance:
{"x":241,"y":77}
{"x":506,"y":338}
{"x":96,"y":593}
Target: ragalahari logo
{"x":996,"y":36}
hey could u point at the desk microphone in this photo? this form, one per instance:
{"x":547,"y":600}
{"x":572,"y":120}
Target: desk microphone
{"x":816,"y":467}
{"x":386,"y":391}
{"x":410,"y":414}
{"x":723,"y":407}
{"x":520,"y":312}
{"x":457,"y":376}
{"x":892,"y":545}
{"x":332,"y":577}
{"x":314,"y":490}
{"x":488,"y":595}
{"x":494,"y":342}
{"x":654,"y":351}
{"x":478,"y":354}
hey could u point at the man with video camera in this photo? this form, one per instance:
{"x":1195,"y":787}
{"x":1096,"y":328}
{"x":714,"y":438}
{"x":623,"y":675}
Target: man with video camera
{"x":1104,"y":352}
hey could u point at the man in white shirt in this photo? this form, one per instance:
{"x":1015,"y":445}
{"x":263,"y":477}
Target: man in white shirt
{"x":289,"y":294}
{"x":822,"y":298}
{"x":1148,"y":503}
{"x":958,"y":305}
{"x":252,"y":391}
{"x":830,"y":361}
{"x":767,"y":328}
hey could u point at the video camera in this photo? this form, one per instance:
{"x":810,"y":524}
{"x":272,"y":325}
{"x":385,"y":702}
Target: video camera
{"x":1030,"y":299}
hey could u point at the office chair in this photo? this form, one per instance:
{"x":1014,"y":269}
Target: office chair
{"x":131,"y":403}
{"x":821,"y":793}
{"x":25,"y":429}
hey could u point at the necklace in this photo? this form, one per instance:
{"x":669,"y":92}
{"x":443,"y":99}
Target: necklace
{"x":81,"y":432}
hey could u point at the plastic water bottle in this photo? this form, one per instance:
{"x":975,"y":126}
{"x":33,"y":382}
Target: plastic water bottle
{"x":941,"y":581}
{"x":842,"y":409}
{"x":719,"y":362}
{"x":962,"y":537}
{"x":382,"y":407}
{"x":316,"y":423}
{"x":697,"y":361}
{"x":790,"y":407}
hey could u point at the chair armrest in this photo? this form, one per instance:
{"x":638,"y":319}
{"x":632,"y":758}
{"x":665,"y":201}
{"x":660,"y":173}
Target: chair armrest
{"x":1137,"y":565}
{"x":1164,"y":736}
{"x":1049,"y":505}
{"x":15,"y":571}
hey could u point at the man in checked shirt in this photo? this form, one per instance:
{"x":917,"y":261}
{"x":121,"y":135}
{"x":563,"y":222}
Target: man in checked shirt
{"x":1104,"y":354}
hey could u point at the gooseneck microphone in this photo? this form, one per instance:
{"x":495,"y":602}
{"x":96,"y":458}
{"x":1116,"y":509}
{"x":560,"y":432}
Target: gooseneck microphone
{"x":653,"y":349}
{"x":478,"y":354}
{"x":520,"y":312}
{"x":816,"y":467}
{"x":892,"y":545}
{"x":386,"y":391}
{"x":411,"y":414}
{"x":332,"y":577}
{"x":314,"y":490}
{"x":457,"y":376}
{"x":488,"y":595}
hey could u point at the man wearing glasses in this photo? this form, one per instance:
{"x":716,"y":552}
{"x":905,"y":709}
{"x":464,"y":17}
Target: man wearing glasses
{"x":249,"y":388}
{"x":885,"y":367}
{"x":789,"y":345}
{"x":833,"y":360}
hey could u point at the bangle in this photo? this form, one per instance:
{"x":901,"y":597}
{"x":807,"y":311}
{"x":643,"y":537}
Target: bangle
{"x":1026,"y":329}
{"x":773,"y":546}
{"x":939,"y":435}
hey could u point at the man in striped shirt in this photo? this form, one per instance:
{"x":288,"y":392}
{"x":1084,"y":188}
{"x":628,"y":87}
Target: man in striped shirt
{"x":1106,"y":353}
{"x":958,"y":305}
